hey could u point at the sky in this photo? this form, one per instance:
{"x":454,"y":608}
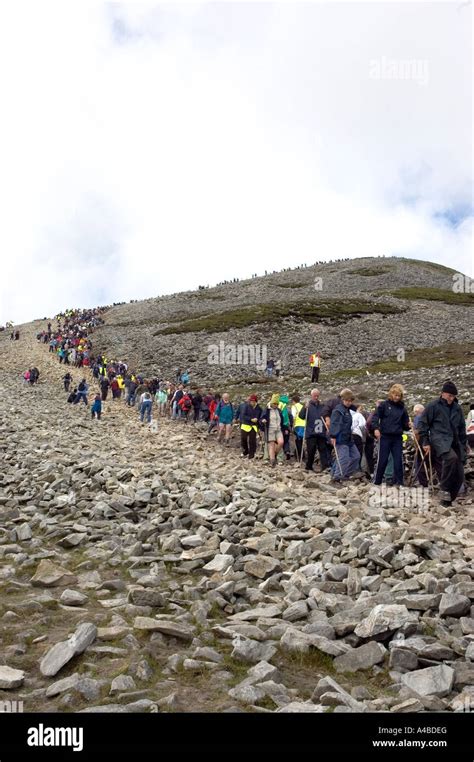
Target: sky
{"x":148,"y":148}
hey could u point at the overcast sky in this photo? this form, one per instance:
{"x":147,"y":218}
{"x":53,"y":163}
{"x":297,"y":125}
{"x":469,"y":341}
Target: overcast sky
{"x":149,"y":148}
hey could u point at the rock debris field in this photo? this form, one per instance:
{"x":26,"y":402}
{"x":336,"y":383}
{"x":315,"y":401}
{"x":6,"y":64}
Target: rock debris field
{"x":155,"y":571}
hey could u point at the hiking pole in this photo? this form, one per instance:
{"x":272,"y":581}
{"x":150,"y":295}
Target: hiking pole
{"x":335,"y":447}
{"x":431,"y":471}
{"x":302,"y":448}
{"x":422,"y":454}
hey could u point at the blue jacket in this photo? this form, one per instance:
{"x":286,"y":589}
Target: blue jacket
{"x":391,"y":418}
{"x":246,"y":412}
{"x":225,"y":412}
{"x":340,"y":427}
{"x":96,"y":406}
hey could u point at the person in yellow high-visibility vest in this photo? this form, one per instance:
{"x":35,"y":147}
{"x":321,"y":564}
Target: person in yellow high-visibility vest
{"x":298,"y":424}
{"x":315,"y":363}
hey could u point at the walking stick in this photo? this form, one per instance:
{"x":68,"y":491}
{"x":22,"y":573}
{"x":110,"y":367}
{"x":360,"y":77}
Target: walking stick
{"x":302,"y":448}
{"x":422,"y":454}
{"x":335,"y":447}
{"x":431,"y":471}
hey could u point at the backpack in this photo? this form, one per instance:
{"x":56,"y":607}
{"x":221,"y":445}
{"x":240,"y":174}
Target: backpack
{"x":187,"y":404}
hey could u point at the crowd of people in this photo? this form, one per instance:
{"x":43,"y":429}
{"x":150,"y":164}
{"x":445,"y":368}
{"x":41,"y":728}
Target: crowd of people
{"x":346,"y":439}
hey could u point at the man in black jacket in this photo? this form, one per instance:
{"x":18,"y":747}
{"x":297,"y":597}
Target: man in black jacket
{"x":315,"y":432}
{"x":442,"y":430}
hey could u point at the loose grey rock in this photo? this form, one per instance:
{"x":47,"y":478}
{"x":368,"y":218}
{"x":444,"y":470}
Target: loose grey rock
{"x":364,"y":657}
{"x":73,"y":598}
{"x":10,"y":678}
{"x":432,"y":681}
{"x":122,"y":683}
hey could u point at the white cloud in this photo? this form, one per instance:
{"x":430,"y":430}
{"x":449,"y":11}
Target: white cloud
{"x":147,"y":149}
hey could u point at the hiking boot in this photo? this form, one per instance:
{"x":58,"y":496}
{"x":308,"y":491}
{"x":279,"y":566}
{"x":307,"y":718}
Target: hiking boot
{"x":273,"y":463}
{"x":445,"y":499}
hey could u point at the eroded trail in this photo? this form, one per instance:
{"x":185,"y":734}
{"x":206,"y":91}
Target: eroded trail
{"x":209,"y":583}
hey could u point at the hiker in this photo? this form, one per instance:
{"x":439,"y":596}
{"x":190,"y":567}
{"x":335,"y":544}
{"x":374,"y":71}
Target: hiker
{"x":213,"y":419}
{"x":185,"y":404}
{"x":389,"y":423}
{"x":82,"y":390}
{"x":114,"y":385}
{"x":185,"y":377}
{"x":347,"y":455}
{"x":315,"y":432}
{"x":419,"y":469}
{"x":175,"y":409}
{"x":26,"y":376}
{"x":272,"y":419}
{"x":104,"y":387}
{"x":287,"y":423}
{"x":96,"y":407}
{"x":359,"y":430}
{"x":225,"y":416}
{"x":278,"y":368}
{"x":299,"y":424}
{"x":470,"y":426}
{"x":249,"y":416}
{"x":270,"y":367}
{"x":315,"y":365}
{"x":197,"y":402}
{"x":442,"y":431}
{"x":161,"y":399}
{"x":17,"y":335}
{"x":73,"y":395}
{"x":34,"y":375}
{"x":67,"y":378}
{"x":146,"y":403}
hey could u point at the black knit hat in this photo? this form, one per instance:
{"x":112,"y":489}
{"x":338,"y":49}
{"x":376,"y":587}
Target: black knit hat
{"x":449,"y":387}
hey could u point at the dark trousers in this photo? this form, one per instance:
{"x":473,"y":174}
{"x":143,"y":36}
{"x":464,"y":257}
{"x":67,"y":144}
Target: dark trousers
{"x":248,"y":440}
{"x":315,"y":375}
{"x":359,"y":444}
{"x":369,"y":454}
{"x":286,"y":444}
{"x":452,"y":473}
{"x":97,"y":413}
{"x":390,"y":443}
{"x":320,"y":444}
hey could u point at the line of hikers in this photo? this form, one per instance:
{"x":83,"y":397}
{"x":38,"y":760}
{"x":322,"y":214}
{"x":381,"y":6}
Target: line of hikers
{"x":350,"y":442}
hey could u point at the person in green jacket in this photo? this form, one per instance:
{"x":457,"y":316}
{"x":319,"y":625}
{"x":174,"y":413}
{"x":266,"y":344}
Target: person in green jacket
{"x":287,"y":421}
